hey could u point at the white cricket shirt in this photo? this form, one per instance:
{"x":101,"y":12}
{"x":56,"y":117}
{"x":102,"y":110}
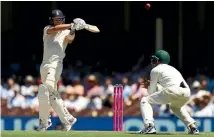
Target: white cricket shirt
{"x":166,"y":76}
{"x":54,"y":48}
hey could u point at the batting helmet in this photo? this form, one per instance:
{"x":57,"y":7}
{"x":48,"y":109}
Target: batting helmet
{"x":56,"y":13}
{"x":162,"y":56}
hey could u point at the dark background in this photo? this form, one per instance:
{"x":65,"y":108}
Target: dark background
{"x":114,"y":48}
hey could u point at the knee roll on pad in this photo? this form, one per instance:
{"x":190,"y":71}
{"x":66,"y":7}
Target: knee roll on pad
{"x":43,"y":92}
{"x":50,"y":85}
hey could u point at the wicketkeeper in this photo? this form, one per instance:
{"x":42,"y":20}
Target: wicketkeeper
{"x":167,"y":86}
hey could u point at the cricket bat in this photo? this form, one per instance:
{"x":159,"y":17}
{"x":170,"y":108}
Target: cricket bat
{"x":92,"y":28}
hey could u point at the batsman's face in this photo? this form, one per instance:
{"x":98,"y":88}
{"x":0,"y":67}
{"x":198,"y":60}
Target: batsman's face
{"x":57,"y":21}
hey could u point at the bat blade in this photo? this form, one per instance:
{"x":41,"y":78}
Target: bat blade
{"x":92,"y":28}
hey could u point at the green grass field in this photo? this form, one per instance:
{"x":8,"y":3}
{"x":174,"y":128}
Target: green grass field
{"x":93,"y":134}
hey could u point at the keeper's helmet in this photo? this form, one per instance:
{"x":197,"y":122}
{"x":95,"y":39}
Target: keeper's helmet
{"x":57,"y":17}
{"x":160,"y":57}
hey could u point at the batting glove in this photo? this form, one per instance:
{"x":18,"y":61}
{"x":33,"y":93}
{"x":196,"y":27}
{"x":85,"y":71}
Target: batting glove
{"x":79,"y":24}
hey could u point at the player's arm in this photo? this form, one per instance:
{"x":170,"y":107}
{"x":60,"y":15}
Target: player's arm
{"x":153,"y":81}
{"x":78,"y":24}
{"x":56,"y":28}
{"x":70,"y":37}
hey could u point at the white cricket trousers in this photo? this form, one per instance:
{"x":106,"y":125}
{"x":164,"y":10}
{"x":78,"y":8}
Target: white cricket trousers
{"x":51,"y":72}
{"x":49,"y":96}
{"x":175,"y":96}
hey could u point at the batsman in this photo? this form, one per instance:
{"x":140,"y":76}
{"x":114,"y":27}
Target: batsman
{"x":56,"y":36}
{"x":166,"y":86}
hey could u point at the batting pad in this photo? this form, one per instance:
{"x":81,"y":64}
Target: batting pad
{"x":44,"y":104}
{"x":59,"y":107}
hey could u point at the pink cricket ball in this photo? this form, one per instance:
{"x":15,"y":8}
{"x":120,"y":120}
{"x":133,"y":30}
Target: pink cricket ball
{"x":148,"y":6}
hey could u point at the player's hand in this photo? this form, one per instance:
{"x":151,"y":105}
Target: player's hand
{"x":73,"y":27}
{"x":145,"y":83}
{"x":79,"y":24}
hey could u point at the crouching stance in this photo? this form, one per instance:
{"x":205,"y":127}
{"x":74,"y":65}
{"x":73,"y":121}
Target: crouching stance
{"x":172,"y":89}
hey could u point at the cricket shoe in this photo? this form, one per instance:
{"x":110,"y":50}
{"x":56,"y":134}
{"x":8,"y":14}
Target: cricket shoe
{"x":194,"y":131}
{"x":68,"y":127}
{"x":149,"y":129}
{"x":42,"y":127}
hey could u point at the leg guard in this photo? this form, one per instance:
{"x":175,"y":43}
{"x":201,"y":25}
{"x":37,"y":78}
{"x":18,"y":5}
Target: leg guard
{"x":59,"y":107}
{"x":53,"y":74}
{"x":44,"y":104}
